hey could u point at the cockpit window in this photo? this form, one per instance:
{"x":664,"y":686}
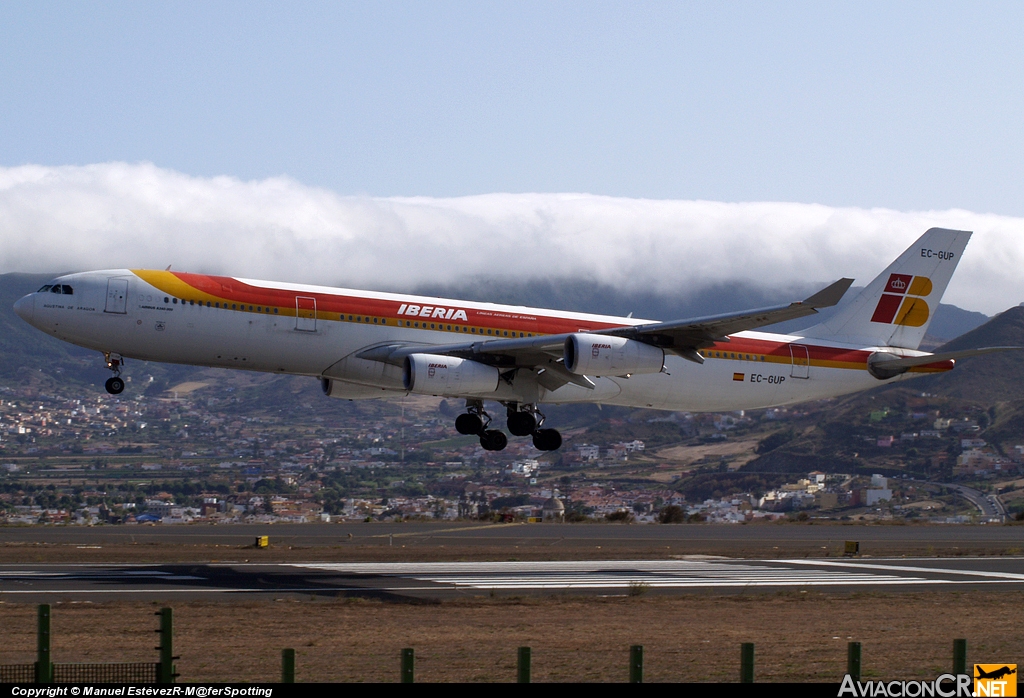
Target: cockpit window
{"x":55,"y":288}
{"x":66,"y":290}
{"x":44,"y":289}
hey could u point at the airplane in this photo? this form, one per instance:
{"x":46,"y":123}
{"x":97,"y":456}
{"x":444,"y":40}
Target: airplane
{"x":994,"y":674}
{"x":364,"y":345}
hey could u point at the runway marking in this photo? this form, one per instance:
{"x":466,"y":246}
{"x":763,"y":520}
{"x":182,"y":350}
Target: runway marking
{"x":655,"y":574}
{"x":906,"y":568}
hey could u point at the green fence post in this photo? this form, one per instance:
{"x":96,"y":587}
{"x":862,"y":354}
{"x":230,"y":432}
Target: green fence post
{"x":959,"y":656}
{"x":407,"y":665}
{"x":853,"y":660}
{"x":523,"y":665}
{"x":165,"y":669}
{"x":747,"y":662}
{"x":44,"y":662}
{"x":288,"y":666}
{"x":636,"y":664}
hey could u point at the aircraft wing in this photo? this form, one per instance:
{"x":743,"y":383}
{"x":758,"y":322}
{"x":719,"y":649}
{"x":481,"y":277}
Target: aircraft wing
{"x":685,"y":337}
{"x":682,"y":337}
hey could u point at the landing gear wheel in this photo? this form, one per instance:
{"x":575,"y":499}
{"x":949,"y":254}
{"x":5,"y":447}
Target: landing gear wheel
{"x":114,"y":385}
{"x":469,"y":424}
{"x":547,"y":439}
{"x":493,"y":440}
{"x":521,"y":423}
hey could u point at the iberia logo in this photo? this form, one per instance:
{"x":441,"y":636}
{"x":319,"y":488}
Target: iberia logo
{"x":902,"y":301}
{"x":995,"y":680}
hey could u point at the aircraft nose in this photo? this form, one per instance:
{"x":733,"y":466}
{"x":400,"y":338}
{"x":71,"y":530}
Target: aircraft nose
{"x":26,"y":308}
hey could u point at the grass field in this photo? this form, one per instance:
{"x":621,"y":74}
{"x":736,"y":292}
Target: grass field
{"x":799,"y":636}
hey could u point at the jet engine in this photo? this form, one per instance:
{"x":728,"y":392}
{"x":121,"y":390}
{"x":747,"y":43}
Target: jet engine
{"x":602,"y":355}
{"x":431,"y":374}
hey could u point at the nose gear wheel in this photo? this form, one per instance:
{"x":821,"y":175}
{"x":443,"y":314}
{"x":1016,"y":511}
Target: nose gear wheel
{"x":115,"y":384}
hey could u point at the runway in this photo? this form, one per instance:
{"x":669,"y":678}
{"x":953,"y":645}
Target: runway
{"x":47,"y":583}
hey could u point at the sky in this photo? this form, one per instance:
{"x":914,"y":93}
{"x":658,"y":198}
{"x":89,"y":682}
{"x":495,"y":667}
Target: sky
{"x":392,"y":140}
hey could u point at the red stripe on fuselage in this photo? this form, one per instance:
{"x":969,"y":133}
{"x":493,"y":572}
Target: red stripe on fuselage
{"x":234,"y":291}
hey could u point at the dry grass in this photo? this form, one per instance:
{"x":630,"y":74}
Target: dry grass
{"x":798,"y":636}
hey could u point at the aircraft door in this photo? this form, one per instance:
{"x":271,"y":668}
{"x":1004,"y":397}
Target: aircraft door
{"x":305,"y":313}
{"x":117,"y":296}
{"x":801,"y":361}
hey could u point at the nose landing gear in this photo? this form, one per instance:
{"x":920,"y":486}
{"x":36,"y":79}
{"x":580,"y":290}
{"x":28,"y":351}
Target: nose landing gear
{"x":114,"y":384}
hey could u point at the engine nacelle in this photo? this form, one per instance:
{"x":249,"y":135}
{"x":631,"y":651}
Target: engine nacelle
{"x":432,"y":374}
{"x":602,"y":355}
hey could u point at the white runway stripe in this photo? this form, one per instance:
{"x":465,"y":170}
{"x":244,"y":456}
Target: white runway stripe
{"x":617,"y":574}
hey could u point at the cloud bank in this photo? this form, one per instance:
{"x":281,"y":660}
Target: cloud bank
{"x":139,"y":215}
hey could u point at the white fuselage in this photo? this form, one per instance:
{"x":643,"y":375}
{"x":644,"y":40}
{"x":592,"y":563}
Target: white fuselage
{"x":317,"y":331}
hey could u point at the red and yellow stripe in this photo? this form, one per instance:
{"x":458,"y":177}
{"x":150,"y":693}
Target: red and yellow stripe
{"x":232,"y":294}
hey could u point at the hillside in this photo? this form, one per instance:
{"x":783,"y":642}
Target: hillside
{"x":990,"y":378}
{"x":838,"y":436}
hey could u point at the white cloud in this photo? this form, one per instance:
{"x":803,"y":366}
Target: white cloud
{"x":138,"y":215}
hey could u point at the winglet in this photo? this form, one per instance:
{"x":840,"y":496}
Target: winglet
{"x":830,"y":295}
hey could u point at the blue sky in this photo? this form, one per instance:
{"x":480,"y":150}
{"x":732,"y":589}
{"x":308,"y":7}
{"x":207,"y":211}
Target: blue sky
{"x":909,"y":106}
{"x":387,"y":144}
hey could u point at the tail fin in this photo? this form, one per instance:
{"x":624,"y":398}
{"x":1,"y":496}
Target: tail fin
{"x":895,"y":309}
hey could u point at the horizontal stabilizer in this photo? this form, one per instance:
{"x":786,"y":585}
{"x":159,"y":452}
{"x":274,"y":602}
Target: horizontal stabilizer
{"x":884,"y":365}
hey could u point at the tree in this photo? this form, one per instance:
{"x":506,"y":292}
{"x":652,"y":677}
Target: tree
{"x":621,"y":516}
{"x":672,"y":514}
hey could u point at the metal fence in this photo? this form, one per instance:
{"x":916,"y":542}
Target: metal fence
{"x":135,"y":672}
{"x":44,"y":670}
{"x":124,"y":672}
{"x":17,"y":673}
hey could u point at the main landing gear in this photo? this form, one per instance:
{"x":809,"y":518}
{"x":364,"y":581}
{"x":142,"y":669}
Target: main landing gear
{"x":522,"y":420}
{"x":114,"y":384}
{"x":476,"y":421}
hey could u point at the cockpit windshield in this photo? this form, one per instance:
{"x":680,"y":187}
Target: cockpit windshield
{"x":63,"y":289}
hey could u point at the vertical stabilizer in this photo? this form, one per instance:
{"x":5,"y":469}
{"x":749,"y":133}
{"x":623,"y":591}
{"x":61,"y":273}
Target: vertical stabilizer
{"x":895,"y":309}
